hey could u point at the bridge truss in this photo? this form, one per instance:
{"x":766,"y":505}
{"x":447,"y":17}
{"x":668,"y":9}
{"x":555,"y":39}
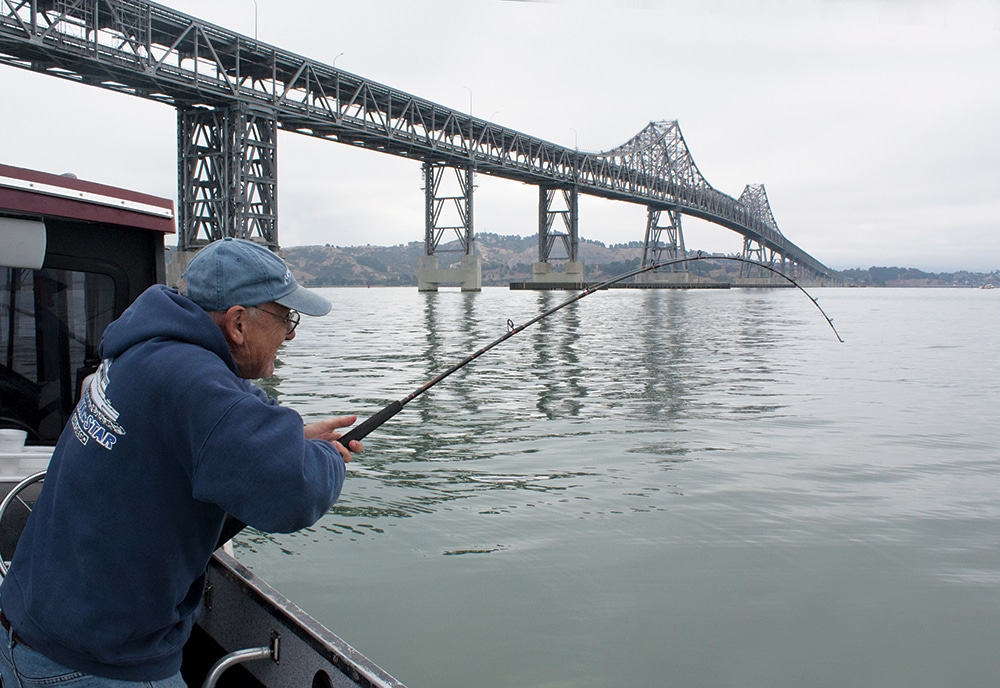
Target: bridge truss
{"x":233,"y":92}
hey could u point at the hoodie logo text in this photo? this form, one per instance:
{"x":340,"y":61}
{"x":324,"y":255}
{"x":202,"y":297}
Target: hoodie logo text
{"x":95,"y":418}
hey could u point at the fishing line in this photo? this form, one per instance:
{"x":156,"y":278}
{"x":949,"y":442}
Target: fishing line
{"x":233,"y":526}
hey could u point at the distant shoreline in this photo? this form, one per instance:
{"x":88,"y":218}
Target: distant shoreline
{"x":508,"y":259}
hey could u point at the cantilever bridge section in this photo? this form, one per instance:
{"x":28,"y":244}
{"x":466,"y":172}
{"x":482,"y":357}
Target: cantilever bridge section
{"x":232,"y":93}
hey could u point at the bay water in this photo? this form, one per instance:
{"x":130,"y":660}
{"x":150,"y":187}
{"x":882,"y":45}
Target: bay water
{"x":658,"y":488}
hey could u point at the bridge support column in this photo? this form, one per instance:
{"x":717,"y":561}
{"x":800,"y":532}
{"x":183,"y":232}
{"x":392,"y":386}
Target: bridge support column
{"x":227,"y":176}
{"x":753,"y":275}
{"x":655,"y":249}
{"x":572,"y":272}
{"x":444,"y":210}
{"x":786,"y":266}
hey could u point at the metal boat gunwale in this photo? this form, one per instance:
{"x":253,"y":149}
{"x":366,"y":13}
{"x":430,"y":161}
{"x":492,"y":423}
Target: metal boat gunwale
{"x":293,"y":619}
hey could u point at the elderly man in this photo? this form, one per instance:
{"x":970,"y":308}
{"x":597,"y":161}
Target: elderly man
{"x":168,"y":438}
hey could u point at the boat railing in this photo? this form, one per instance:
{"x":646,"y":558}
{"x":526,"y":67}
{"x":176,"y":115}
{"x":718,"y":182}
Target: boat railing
{"x":240,"y":656}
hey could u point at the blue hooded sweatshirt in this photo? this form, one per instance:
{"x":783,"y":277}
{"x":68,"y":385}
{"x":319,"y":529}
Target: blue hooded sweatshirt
{"x":166,"y":441}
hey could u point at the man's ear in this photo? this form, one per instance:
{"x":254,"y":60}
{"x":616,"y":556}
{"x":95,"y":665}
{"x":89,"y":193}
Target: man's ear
{"x":234,"y":325}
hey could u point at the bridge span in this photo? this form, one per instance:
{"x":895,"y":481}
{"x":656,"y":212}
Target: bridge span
{"x":232,"y":93}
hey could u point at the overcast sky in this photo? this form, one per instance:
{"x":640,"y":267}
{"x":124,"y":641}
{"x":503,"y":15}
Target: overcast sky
{"x":873,"y":124}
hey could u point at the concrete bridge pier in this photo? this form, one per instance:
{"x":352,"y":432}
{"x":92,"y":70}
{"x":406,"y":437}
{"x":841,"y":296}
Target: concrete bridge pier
{"x":469,"y":274}
{"x":681,"y":277}
{"x":572,"y":273}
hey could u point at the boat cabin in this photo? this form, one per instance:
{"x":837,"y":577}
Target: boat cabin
{"x":74,"y":255}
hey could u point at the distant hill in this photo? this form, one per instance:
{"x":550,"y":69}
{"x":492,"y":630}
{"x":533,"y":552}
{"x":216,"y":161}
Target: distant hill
{"x":508,"y":258}
{"x":505,"y":259}
{"x":911,"y":277}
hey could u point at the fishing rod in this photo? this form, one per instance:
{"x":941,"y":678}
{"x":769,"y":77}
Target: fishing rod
{"x":362,"y":430}
{"x":233,"y":525}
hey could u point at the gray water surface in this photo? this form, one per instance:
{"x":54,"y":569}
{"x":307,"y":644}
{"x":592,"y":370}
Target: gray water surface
{"x":661,"y":488}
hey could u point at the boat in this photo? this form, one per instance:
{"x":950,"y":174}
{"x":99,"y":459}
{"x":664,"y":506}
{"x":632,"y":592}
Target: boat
{"x":987,"y":286}
{"x":73,"y":255}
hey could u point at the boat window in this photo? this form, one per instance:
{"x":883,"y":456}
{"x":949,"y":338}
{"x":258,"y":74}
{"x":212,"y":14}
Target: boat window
{"x":51,"y":322}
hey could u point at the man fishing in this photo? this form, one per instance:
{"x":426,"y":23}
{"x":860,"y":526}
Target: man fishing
{"x":168,"y":438}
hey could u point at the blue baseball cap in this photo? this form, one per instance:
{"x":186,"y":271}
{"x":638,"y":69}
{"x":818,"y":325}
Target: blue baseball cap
{"x":236,"y":272}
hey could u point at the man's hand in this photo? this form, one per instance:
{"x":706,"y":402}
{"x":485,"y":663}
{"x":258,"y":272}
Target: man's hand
{"x":329,"y":430}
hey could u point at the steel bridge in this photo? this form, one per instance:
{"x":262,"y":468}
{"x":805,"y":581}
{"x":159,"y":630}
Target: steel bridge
{"x":232,"y":93}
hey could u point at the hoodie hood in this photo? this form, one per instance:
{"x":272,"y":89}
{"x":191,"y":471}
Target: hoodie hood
{"x":163,"y":313}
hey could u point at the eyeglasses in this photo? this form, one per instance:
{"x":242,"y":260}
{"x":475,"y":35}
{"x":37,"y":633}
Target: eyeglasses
{"x":291,"y":320}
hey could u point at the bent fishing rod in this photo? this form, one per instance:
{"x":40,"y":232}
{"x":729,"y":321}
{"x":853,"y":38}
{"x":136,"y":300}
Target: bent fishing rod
{"x":233,"y":526}
{"x":358,"y":432}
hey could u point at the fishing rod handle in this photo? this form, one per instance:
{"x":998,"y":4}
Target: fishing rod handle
{"x":362,"y":430}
